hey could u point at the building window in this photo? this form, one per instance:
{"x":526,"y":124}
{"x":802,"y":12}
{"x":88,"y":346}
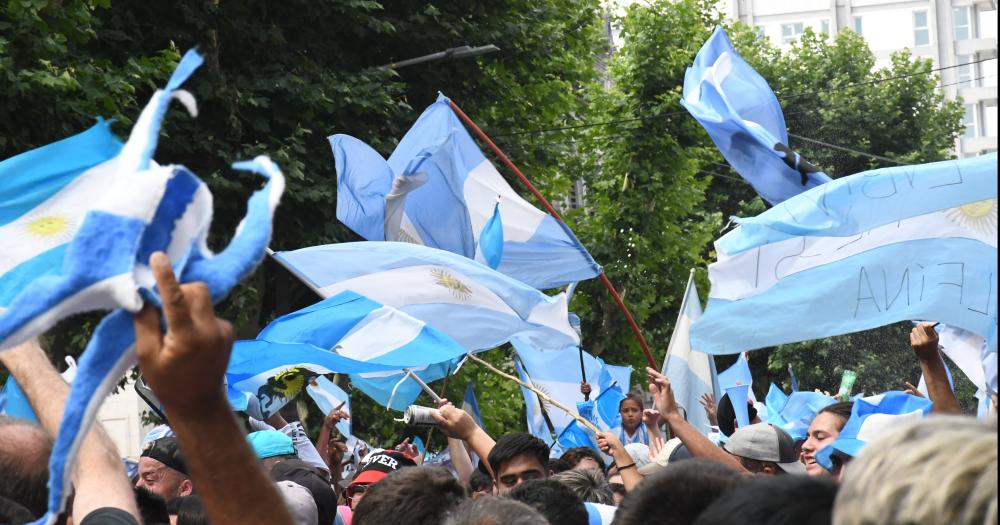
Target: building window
{"x":760,"y":32}
{"x":789,"y":32}
{"x":965,"y":71}
{"x":857,"y":25}
{"x":921,"y":30}
{"x":824,"y":27}
{"x":963,"y":28}
{"x":970,"y":121}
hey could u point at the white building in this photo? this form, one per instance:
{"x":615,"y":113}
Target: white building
{"x":950,"y":32}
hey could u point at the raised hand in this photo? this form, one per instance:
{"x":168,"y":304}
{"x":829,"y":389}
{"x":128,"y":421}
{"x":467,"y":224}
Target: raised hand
{"x":454,"y":422}
{"x":924,"y":340}
{"x":663,"y":394}
{"x":651,"y":417}
{"x":708,"y":402}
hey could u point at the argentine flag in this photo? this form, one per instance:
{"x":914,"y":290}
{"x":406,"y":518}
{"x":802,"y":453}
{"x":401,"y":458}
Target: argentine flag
{"x":794,"y":412}
{"x":740,"y":112}
{"x":145,"y":208}
{"x":439,"y":190}
{"x":329,"y":396}
{"x":691,"y":373}
{"x":894,"y":244}
{"x":477,"y":307}
{"x":353,"y":329}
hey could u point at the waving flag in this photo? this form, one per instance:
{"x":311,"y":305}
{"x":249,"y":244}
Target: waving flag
{"x":471,"y":406}
{"x":44,"y":195}
{"x":794,"y":412}
{"x":870,"y":418}
{"x":483,"y":308}
{"x":147,"y":208}
{"x":740,"y":112}
{"x":737,"y":382}
{"x":329,"y":396}
{"x":539,"y":423}
{"x":691,"y":373}
{"x":917,"y":242}
{"x":439,"y":190}
{"x":354,"y":327}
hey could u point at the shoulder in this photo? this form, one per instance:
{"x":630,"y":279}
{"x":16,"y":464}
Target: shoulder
{"x":109,"y":516}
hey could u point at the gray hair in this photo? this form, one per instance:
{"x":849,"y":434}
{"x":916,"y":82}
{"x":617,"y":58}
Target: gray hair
{"x":942,"y":469}
{"x":491,"y":510}
{"x":589,"y":484}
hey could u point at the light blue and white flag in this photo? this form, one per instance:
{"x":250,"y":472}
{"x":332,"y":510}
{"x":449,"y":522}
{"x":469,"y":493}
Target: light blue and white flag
{"x":737,"y":382}
{"x":439,"y":190}
{"x":329,"y":396}
{"x":354,"y":327}
{"x":478,"y":307}
{"x":44,"y":195}
{"x":148,"y":208}
{"x":917,"y":242}
{"x":740,"y":112}
{"x":794,"y":412}
{"x":557,"y":373}
{"x":870,"y":418}
{"x":691,"y":373}
{"x":536,"y":410}
{"x":471,"y":406}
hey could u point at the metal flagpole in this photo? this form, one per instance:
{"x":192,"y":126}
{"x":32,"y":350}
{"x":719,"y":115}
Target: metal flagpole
{"x":552,"y":211}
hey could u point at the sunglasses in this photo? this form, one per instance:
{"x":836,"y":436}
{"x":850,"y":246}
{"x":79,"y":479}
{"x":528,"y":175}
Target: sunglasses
{"x":354,"y":490}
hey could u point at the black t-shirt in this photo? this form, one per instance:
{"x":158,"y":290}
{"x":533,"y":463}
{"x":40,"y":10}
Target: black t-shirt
{"x":304,"y":474}
{"x":109,"y":516}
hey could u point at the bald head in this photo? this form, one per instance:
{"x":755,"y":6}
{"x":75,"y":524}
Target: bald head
{"x":24,"y":461}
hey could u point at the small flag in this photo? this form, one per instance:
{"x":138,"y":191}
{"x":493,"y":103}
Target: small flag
{"x":329,"y":396}
{"x":870,"y":418}
{"x":470,"y":405}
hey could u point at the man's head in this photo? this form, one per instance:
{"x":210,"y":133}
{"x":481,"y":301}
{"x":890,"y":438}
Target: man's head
{"x":553,"y":499}
{"x":589,"y":484}
{"x":495,"y":511}
{"x":374,"y":468}
{"x":480,"y":484}
{"x":578,"y":458}
{"x":518,"y":457}
{"x":271,"y":447}
{"x":763,"y":448}
{"x":769,"y":500}
{"x":823,"y":430}
{"x":24,"y":463}
{"x":162,"y":470}
{"x":678,"y":493}
{"x":726,"y":415}
{"x":421,"y":496}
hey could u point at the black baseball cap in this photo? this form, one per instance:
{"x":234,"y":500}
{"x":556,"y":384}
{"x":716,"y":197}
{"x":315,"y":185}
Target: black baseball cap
{"x":166,"y":451}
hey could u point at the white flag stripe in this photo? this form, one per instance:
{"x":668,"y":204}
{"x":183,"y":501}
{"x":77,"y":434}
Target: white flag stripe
{"x":379,"y":333}
{"x":482,"y":187}
{"x":753,"y":272}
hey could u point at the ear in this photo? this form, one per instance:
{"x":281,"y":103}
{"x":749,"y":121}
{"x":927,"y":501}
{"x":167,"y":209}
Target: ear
{"x":186,"y":488}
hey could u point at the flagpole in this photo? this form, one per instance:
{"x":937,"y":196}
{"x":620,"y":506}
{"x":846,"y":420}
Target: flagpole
{"x":583,"y":372}
{"x":317,"y":291}
{"x":552,"y":211}
{"x":541,"y":395}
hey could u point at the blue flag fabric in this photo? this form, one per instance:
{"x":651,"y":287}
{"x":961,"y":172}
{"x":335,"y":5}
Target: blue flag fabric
{"x":794,"y":412}
{"x":740,"y":112}
{"x":918,"y":242}
{"x":439,"y":190}
{"x":470,"y":405}
{"x":490,"y":248}
{"x":576,"y":435}
{"x":870,"y":418}
{"x":736,"y":381}
{"x":357,"y":331}
{"x":484,"y":308}
{"x":15,"y":403}
{"x":150,"y":208}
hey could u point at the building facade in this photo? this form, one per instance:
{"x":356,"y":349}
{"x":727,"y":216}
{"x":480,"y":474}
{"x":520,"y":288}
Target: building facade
{"x":958,"y":35}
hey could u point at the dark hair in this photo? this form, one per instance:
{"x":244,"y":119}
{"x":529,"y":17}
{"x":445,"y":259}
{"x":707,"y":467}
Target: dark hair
{"x":515,"y":444}
{"x":152,"y":508}
{"x":726,"y":414}
{"x":491,"y":510}
{"x":24,"y":464}
{"x":842,"y":409}
{"x":678,"y":493}
{"x":775,"y":500}
{"x":554,"y":500}
{"x":416,"y":495}
{"x":479,"y":480}
{"x":190,"y":511}
{"x":634,"y":397}
{"x":13,"y":513}
{"x":572,"y":457}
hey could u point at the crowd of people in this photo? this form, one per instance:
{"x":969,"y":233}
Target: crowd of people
{"x":657,"y":468}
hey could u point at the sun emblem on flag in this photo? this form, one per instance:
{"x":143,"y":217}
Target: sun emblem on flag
{"x":980,"y":216}
{"x":403,"y":236}
{"x":545,"y":403}
{"x":460,"y":290}
{"x":50,"y":226}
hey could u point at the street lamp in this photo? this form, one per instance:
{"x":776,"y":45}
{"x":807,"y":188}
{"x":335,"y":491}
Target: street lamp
{"x":452,"y":52}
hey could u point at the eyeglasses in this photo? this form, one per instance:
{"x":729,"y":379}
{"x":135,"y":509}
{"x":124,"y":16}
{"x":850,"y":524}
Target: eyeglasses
{"x":354,"y":490}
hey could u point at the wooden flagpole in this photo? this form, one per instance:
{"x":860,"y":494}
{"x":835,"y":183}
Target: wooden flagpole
{"x":552,"y":211}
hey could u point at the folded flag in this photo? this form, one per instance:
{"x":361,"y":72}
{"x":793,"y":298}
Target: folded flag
{"x":870,"y":418}
{"x":917,"y":242}
{"x":740,"y":112}
{"x":329,"y":396}
{"x":794,"y":412}
{"x":965,"y":350}
{"x":368,"y":340}
{"x":736,"y":381}
{"x":470,"y":405}
{"x":439,"y":190}
{"x":483,"y":308}
{"x":691,"y":373}
{"x":148,"y":208}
